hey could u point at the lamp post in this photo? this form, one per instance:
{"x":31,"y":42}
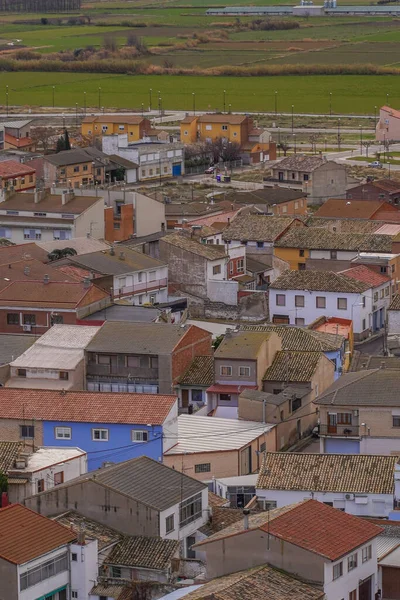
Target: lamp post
{"x":76,"y":114}
{"x":338,"y":134}
{"x":294,"y":143}
{"x":84,"y":102}
{"x":330,"y":103}
{"x":230,"y":108}
{"x":224,"y":100}
{"x":160,"y":105}
{"x":292,"y":117}
{"x":142,"y":108}
{"x":375,"y":114}
{"x":387,"y":100}
{"x":54,"y":89}
{"x":276,"y":105}
{"x":194,"y":103}
{"x":7,"y":102}
{"x":150,"y":101}
{"x":361,"y":139}
{"x":99,"y":98}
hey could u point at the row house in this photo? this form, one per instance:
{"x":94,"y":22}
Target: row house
{"x":40,"y":558}
{"x":46,"y":216}
{"x":16,"y":176}
{"x":34,"y":306}
{"x":167,"y":504}
{"x":360,"y":413}
{"x":358,"y":294}
{"x":134,"y":126}
{"x":325,"y":547}
{"x":96,"y":423}
{"x":360,"y":485}
{"x":345,"y":208}
{"x":17,"y":135}
{"x":384,"y":190}
{"x":126,"y":275}
{"x":142,"y":357}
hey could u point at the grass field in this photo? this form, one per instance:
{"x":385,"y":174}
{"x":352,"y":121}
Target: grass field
{"x":353,"y":94}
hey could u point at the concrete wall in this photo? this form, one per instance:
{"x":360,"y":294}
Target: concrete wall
{"x":328,"y":181}
{"x":186,"y":271}
{"x":393,"y":321}
{"x":150,"y":215}
{"x":48,"y":585}
{"x":223,"y":291}
{"x":10,"y":432}
{"x":91,"y":221}
{"x":101,"y":504}
{"x":9,"y":579}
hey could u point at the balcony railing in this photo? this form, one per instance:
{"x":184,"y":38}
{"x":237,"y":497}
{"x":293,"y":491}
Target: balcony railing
{"x":340,"y":430}
{"x":141,"y":288}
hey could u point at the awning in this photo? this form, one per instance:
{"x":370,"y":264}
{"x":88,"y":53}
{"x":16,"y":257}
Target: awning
{"x":17,"y":481}
{"x":229,"y":389}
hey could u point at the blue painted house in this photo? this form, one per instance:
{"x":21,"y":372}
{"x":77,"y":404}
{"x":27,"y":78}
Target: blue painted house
{"x":110,"y":427}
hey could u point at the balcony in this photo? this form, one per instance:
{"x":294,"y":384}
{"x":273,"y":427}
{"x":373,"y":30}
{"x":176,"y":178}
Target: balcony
{"x":141,"y":288}
{"x":340,"y":430}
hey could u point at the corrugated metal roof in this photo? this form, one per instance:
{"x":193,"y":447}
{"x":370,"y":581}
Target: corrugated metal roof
{"x":213,"y":434}
{"x":385,"y":544}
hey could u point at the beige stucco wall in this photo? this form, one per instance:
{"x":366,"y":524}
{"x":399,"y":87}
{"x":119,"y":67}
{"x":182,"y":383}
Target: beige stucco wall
{"x":91,"y":221}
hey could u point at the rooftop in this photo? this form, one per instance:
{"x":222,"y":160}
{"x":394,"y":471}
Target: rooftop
{"x":265,"y":583}
{"x":88,"y":407}
{"x":12,"y":168}
{"x":122,"y":119}
{"x":54,"y":294}
{"x":27,"y":270}
{"x":130,"y":313}
{"x":293,"y":366}
{"x":18,"y":142}
{"x":365,"y":275}
{"x":138,"y":338}
{"x":13,"y":345}
{"x":260,"y":228}
{"x":374,"y":387}
{"x":318,"y":238}
{"x":24,"y":201}
{"x":8,"y":453}
{"x":144,"y":553}
{"x":274,"y":195}
{"x":301,"y":162}
{"x":298,"y":338}
{"x":355,"y":473}
{"x":11,"y":254}
{"x":104,"y":535}
{"x":82,"y":245}
{"x":206,"y":434}
{"x":395,"y":303}
{"x":16,"y":124}
{"x":183,"y":241}
{"x":199,"y":372}
{"x":43,"y":458}
{"x":318,"y":281}
{"x":344,"y":208}
{"x":242,"y":344}
{"x":111,"y":262}
{"x":311,"y":525}
{"x":339,"y":225}
{"x":26,"y":535}
{"x":144,"y":480}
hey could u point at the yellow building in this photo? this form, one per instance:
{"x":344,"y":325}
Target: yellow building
{"x":74,"y":168}
{"x":206,"y":128}
{"x":134,"y":127}
{"x":17,"y":176}
{"x":295,"y":257}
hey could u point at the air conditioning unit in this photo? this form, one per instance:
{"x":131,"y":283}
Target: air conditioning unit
{"x":27,"y":327}
{"x":349,"y":496}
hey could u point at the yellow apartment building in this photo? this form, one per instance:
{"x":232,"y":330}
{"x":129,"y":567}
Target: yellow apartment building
{"x":134,"y":127}
{"x":16,"y":176}
{"x":205,"y":128}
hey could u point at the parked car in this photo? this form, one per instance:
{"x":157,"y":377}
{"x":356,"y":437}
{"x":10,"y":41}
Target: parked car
{"x":376,"y":164}
{"x":210,"y":170}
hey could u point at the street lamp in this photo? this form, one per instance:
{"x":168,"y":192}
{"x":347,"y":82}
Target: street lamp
{"x":160,"y":105}
{"x":194,"y":103}
{"x":150,"y":92}
{"x":294,"y":142}
{"x":7,"y":101}
{"x":230,"y":108}
{"x":338,"y":134}
{"x":99,"y":98}
{"x":76,"y":114}
{"x":387,"y":100}
{"x":84,"y":101}
{"x":142,"y":108}
{"x":54,"y":89}
{"x":292,"y":116}
{"x":361,"y":139}
{"x":276,"y":105}
{"x":224,"y":100}
{"x":375,"y":114}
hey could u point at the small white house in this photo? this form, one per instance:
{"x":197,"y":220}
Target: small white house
{"x":361,"y":485}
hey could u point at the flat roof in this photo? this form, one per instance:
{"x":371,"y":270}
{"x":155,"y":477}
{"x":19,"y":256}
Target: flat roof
{"x":45,"y":457}
{"x":213,"y":434}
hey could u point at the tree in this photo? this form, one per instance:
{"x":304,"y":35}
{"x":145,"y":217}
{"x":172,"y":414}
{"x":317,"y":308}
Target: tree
{"x":313,"y":139}
{"x":110,"y":42}
{"x":66,"y":140}
{"x":42,"y":136}
{"x":61,"y":253}
{"x":63,"y":142}
{"x":3,"y":482}
{"x":284,"y":146}
{"x":366,"y":145}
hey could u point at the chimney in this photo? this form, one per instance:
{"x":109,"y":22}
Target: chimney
{"x":36,"y":197}
{"x":383,"y":365}
{"x":46,"y":279}
{"x":64,"y":199}
{"x":27,"y":271}
{"x":122,"y":256}
{"x":246,"y":513}
{"x":86,"y":283}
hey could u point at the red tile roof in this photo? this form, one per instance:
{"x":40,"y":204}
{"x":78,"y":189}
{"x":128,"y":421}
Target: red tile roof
{"x":18,"y":142}
{"x":392,"y":111}
{"x":322,"y":530}
{"x":348,"y":209}
{"x":30,"y":269}
{"x":55,"y":294}
{"x":366,"y":275}
{"x":26,"y":535}
{"x":12,"y":168}
{"x":11,"y":254}
{"x":86,"y":407}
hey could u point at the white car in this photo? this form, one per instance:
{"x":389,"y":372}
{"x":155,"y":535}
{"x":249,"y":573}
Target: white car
{"x":376,"y":164}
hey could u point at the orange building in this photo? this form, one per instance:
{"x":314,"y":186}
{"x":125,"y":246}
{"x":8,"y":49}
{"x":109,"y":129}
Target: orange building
{"x":119,"y":223}
{"x":135,"y":127}
{"x":17,"y":176}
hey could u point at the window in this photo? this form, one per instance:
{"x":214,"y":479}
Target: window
{"x":133,"y":361}
{"x":21,"y":372}
{"x":364,"y":324}
{"x":59,"y":478}
{"x":337,"y":570}
{"x":116,"y":572}
{"x":122,"y":282}
{"x":396,"y":421}
{"x":387,"y":291}
{"x":260,"y":244}
{"x":296,"y":404}
{"x":226,"y":371}
{"x":29,"y":319}
{"x":353,"y":595}
{"x":364,"y":301}
{"x":383,"y":269}
{"x":280,"y":300}
{"x":344,"y":418}
{"x":234,"y":134}
{"x":240,"y":265}
{"x":63,"y":433}
{"x":151,"y":172}
{"x":165,"y":169}
{"x":85,"y":167}
{"x":342,"y":303}
{"x":76,"y":169}
{"x":153,"y":362}
{"x":293,"y":175}
{"x":143,"y":172}
{"x":299,"y":300}
{"x":5,"y":233}
{"x":300,"y":321}
{"x":169,"y":524}
{"x":139,"y":435}
{"x":57,"y":319}
{"x":216,"y":269}
{"x":320,"y":302}
{"x":140,"y":299}
{"x":27,"y":431}
{"x":152,"y":275}
{"x":224,"y":127}
{"x":64,"y":375}
{"x":103,"y":359}
{"x":203,"y":468}
{"x":301,"y":266}
{"x":190,"y":510}
{"x":231,"y":267}
{"x":382,"y":293}
{"x":305,"y":177}
{"x":282,"y":415}
{"x":74,"y":557}
{"x":301,"y":252}
{"x":44,"y":571}
{"x":263,"y":447}
{"x":40,"y":485}
{"x":74,"y":594}
{"x":100,"y":435}
{"x":366,"y":553}
{"x":244,"y":371}
{"x":32,"y":234}
{"x":153,"y":298}
{"x":352,"y":562}
{"x":376,"y":296}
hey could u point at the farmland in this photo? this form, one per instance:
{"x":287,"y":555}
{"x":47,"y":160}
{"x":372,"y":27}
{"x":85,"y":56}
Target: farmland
{"x":177,"y":41}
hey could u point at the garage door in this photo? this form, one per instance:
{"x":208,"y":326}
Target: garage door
{"x":390,"y":583}
{"x":177,"y":170}
{"x":333,"y":446}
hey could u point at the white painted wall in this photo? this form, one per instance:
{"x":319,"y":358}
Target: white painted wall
{"x":223,"y":291}
{"x":171,"y":428}
{"x":361,"y":505}
{"x":379,"y":445}
{"x":211,"y":264}
{"x":71,"y":468}
{"x":341,"y":587}
{"x":84,"y":571}
{"x":393,"y":321}
{"x":48,"y":585}
{"x":125,"y":283}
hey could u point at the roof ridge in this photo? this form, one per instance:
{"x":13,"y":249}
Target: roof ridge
{"x":363,"y":374}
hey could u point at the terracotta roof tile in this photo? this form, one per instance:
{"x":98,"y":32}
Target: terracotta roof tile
{"x":208,"y":251}
{"x":90,"y":407}
{"x":375,"y":387}
{"x":345,"y":208}
{"x":298,"y":338}
{"x":344,"y":225}
{"x":364,"y":274}
{"x":18,"y":142}
{"x":300,"y":162}
{"x":318,"y":281}
{"x":347,"y":473}
{"x":395,"y":304}
{"x":242,"y":344}
{"x":199,"y":372}
{"x":293,"y":366}
{"x":13,"y":168}
{"x":8,"y":453}
{"x":259,"y":228}
{"x":214,"y":500}
{"x":77,"y":522}
{"x":25,"y":535}
{"x":222,"y":118}
{"x":143,"y":552}
{"x":55,"y":294}
{"x":318,"y":238}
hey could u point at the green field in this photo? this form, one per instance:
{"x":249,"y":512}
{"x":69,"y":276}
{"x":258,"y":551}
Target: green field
{"x":350,"y":93}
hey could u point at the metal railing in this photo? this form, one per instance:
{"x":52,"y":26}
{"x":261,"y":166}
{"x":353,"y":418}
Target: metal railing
{"x":340,"y":430}
{"x":145,"y":287}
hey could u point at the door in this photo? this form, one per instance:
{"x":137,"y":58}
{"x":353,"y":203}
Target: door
{"x":332,"y":423}
{"x":390,"y":583}
{"x":375,"y":320}
{"x":245,"y":461}
{"x":190,"y":541}
{"x":364,"y":590}
{"x":185,"y":398}
{"x":114,"y":365}
{"x":280,"y":175}
{"x":176,"y":170}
